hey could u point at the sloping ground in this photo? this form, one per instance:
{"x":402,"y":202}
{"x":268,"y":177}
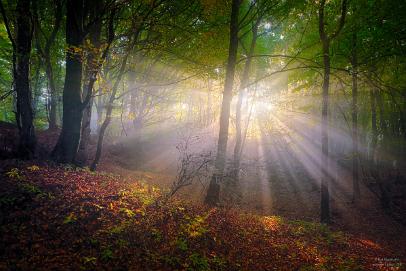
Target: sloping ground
{"x":55,"y":218}
{"x":46,"y":140}
{"x":8,"y":139}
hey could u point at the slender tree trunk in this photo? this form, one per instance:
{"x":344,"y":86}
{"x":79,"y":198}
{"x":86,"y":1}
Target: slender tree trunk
{"x":374,"y":140}
{"x":209,"y":103}
{"x":325,"y":40}
{"x":381,"y":107}
{"x":325,"y":179}
{"x":36,"y":89}
{"x":213,"y":192}
{"x":325,"y":194}
{"x":99,"y":110}
{"x":138,"y":121}
{"x":68,"y":142}
{"x":109,"y":110}
{"x":27,"y":141}
{"x":90,"y":69}
{"x":355,"y":166}
{"x":133,"y":95}
{"x":46,"y":57}
{"x":54,"y":97}
{"x":102,"y":131}
{"x":244,"y":82}
{"x":13,"y":61}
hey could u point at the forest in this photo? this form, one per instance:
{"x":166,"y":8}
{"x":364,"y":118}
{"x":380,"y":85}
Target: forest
{"x":203,"y":135}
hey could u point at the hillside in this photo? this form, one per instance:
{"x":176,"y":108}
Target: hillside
{"x":62,"y":218}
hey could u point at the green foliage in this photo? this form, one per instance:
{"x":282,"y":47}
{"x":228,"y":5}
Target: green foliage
{"x":89,"y":260}
{"x":198,"y":262}
{"x":14,"y":173}
{"x":171,"y":260}
{"x":218,"y":263}
{"x":71,"y":218}
{"x":157,"y":235}
{"x":144,"y":193}
{"x":182,"y":244}
{"x":8,"y":200}
{"x":27,"y":187}
{"x":320,"y":231}
{"x":196,"y":226}
{"x":107,"y":254}
{"x":128,"y":212}
{"x":33,"y":168}
{"x":119,"y":228}
{"x":121,"y":243}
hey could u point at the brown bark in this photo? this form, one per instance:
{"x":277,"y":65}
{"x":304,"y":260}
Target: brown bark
{"x":374,"y":140}
{"x":325,"y":40}
{"x":325,"y":194}
{"x":27,"y":141}
{"x":109,"y":110}
{"x":381,"y":107}
{"x":90,"y":69}
{"x":213,"y":192}
{"x":244,"y":82}
{"x":99,"y":110}
{"x":68,"y":142}
{"x":109,"y":105}
{"x":45,"y":54}
{"x":355,"y":166}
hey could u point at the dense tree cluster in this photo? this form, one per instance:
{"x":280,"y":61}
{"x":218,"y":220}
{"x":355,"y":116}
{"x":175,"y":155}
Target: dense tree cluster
{"x":128,"y":64}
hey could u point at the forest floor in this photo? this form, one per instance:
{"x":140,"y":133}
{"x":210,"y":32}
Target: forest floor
{"x":279,"y":176}
{"x":62,"y":218}
{"x":55,"y":217}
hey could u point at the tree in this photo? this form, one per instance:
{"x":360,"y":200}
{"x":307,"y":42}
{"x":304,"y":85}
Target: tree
{"x":45,"y":54}
{"x":91,"y":67}
{"x":244,"y":82}
{"x":213,"y":192}
{"x":21,"y":72}
{"x":68,"y":142}
{"x":325,"y":40}
{"x":355,"y":157}
{"x":78,"y":25}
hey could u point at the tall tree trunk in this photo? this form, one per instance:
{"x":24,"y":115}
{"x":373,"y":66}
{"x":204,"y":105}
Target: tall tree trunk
{"x":355,"y":166}
{"x":53,"y":95}
{"x":99,"y":110}
{"x":131,"y":76}
{"x":45,"y":53}
{"x":325,"y":39}
{"x":138,"y":121}
{"x":109,"y":106}
{"x":27,"y":142}
{"x":36,"y":86}
{"x":91,"y":66}
{"x":374,"y":139}
{"x":209,"y":103}
{"x":68,"y":142}
{"x":213,"y":192}
{"x":325,"y":194}
{"x":381,"y":107}
{"x":244,"y":82}
{"x":109,"y":110}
